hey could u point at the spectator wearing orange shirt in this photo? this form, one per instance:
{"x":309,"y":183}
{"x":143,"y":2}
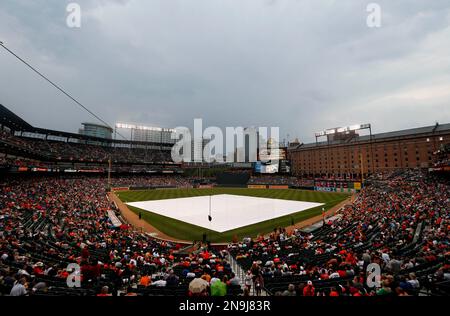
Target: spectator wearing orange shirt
{"x":334,"y":292}
{"x":145,"y":280}
{"x":206,"y":277}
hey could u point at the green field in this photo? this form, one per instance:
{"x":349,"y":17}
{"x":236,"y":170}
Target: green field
{"x":181,"y":230}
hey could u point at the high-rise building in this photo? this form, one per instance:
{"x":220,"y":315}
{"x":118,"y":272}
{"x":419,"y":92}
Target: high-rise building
{"x":96,"y":130}
{"x":154,"y":135}
{"x":149,"y":134}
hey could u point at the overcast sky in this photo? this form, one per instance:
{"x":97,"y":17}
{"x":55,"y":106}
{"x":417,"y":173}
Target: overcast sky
{"x":300,"y":65}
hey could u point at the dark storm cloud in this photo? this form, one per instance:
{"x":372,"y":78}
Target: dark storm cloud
{"x":300,"y":65}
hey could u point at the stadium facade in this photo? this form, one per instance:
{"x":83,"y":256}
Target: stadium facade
{"x":351,"y":157}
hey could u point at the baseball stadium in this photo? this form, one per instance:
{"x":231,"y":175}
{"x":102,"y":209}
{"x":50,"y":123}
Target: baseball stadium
{"x":94,"y":204}
{"x":83,"y":199}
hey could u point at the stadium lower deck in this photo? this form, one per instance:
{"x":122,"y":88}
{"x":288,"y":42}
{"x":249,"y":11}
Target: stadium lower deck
{"x":399,"y":221}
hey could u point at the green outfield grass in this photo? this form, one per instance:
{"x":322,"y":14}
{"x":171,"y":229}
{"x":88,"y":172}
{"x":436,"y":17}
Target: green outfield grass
{"x":181,"y":230}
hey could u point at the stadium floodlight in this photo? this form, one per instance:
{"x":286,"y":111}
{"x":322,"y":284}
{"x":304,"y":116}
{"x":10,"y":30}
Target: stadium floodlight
{"x":354,"y":127}
{"x":143,"y":128}
{"x":148,"y":128}
{"x":321,"y":133}
{"x":125,"y":126}
{"x":337,"y":130}
{"x":342,"y":130}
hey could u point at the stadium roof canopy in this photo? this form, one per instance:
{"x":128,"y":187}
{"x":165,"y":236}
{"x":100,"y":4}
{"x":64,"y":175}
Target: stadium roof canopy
{"x":13,"y":121}
{"x":16,"y":123}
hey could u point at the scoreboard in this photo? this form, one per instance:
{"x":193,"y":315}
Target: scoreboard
{"x":273,"y":161}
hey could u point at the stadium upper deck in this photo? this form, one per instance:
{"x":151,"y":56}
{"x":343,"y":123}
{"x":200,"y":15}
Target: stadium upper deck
{"x":24,"y":145}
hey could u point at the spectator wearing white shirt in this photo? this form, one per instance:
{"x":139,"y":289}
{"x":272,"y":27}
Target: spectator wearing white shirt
{"x":19,"y":288}
{"x":413,"y":281}
{"x":334,"y":275}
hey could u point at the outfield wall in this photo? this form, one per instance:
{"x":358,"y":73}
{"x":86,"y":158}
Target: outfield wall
{"x":276,"y":187}
{"x":257,"y":186}
{"x":142,"y":188}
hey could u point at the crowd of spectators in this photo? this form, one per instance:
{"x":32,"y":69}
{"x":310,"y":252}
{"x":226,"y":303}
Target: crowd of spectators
{"x":443,"y":156}
{"x":4,"y":135}
{"x":280,"y":180}
{"x":75,"y":151}
{"x":400,"y":221}
{"x":48,"y":223}
{"x":154,"y":181}
{"x":20,"y":162}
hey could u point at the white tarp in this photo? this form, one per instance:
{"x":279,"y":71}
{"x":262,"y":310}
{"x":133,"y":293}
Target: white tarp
{"x":228,"y":211}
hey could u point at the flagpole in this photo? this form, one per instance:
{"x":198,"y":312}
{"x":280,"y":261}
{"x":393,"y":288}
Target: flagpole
{"x":109,"y":173}
{"x":209,"y":215}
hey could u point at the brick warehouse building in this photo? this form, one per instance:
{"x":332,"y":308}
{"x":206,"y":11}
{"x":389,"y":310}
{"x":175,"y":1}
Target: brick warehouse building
{"x":351,"y":156}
